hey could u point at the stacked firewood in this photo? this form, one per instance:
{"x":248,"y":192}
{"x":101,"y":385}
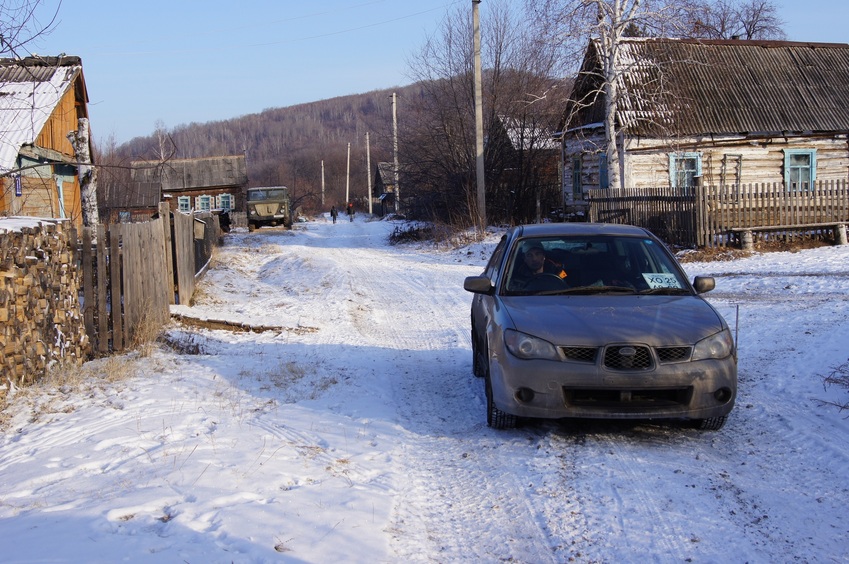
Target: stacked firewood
{"x":40,"y":320}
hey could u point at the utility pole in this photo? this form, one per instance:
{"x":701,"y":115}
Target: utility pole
{"x":348,"y":178}
{"x":322,"y":183}
{"x":368,"y":173}
{"x":395,"y":152}
{"x":481,"y":188}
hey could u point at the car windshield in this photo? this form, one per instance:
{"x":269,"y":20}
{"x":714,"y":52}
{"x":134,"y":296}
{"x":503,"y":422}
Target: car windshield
{"x":591,"y":265}
{"x":266,"y":194}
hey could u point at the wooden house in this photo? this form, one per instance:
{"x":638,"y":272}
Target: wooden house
{"x":202,"y":184}
{"x":525,"y":169}
{"x":41,"y":102}
{"x":712,"y":113}
{"x":384,"y":188}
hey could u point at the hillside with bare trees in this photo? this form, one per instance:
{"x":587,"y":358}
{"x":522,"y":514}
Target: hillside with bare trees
{"x":285,"y":146}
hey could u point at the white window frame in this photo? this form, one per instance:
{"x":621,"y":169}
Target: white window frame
{"x":184,"y":204}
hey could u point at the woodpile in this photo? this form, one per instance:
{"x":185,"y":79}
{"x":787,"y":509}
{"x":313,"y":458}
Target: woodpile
{"x":40,"y":320}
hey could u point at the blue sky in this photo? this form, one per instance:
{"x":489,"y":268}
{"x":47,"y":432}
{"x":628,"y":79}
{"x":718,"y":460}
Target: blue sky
{"x":184,"y":61}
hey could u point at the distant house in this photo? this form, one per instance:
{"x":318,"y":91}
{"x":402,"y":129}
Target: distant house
{"x":202,"y":184}
{"x":139,"y":202}
{"x":41,"y":101}
{"x":527,"y":157}
{"x":384,"y":188}
{"x":699,"y":112}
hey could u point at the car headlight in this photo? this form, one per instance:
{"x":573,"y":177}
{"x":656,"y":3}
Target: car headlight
{"x":719,"y":345}
{"x":526,"y":346}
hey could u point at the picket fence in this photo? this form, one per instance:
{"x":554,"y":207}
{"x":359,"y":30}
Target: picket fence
{"x":712,"y":216}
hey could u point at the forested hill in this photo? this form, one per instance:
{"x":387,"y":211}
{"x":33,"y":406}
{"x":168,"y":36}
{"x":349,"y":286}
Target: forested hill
{"x":286,"y":146}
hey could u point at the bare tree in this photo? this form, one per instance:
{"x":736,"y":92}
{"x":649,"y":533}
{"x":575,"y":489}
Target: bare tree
{"x":20,"y":25}
{"x":729,"y":19}
{"x":522,"y":97}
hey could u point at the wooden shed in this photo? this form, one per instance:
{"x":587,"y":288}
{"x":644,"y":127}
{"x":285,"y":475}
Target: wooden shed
{"x":712,"y":113}
{"x":41,"y":101}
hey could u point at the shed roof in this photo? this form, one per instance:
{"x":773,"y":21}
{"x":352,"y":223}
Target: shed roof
{"x":691,"y":87}
{"x":30,"y":89}
{"x":192,"y":174}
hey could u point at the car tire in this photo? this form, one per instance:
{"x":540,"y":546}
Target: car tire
{"x":496,"y":418}
{"x":711,"y":423}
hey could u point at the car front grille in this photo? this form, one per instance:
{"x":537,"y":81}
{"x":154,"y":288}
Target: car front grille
{"x":673,"y":354}
{"x":628,"y":399}
{"x":580,"y":354}
{"x":627,"y":357}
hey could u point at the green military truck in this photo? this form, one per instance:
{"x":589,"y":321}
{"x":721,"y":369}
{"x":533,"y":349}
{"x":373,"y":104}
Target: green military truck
{"x":269,"y":206}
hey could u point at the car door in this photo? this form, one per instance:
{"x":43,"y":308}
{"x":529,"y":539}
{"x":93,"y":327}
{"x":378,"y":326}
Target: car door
{"x":482,"y":304}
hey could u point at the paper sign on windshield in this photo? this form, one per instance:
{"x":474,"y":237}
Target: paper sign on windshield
{"x":661,"y":280}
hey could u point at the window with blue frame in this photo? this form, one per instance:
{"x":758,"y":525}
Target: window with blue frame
{"x":225,"y":201}
{"x":800,"y":169}
{"x":184,"y":204}
{"x":203,"y":203}
{"x":577,"y":186}
{"x":603,"y":180}
{"x":684,"y":169}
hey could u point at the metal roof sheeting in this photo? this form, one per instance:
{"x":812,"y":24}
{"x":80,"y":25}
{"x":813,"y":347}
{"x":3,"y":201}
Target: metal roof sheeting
{"x":703,"y":87}
{"x":30,"y":89}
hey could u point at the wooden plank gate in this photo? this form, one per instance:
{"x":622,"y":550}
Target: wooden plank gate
{"x":132,"y":272}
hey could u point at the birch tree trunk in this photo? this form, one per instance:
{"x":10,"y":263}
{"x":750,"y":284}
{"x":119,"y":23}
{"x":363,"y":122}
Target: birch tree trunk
{"x":87,"y":173}
{"x":612,"y":20}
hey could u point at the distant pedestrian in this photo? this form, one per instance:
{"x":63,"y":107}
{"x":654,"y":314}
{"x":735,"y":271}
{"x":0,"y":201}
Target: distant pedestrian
{"x":333,"y":213}
{"x":350,"y":211}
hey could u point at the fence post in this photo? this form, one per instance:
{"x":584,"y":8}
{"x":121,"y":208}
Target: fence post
{"x":165,"y":214}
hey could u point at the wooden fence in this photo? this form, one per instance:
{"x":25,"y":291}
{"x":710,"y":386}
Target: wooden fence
{"x":715,"y":215}
{"x":133,"y":272}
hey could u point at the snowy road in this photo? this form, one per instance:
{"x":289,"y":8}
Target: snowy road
{"x":357,"y":432}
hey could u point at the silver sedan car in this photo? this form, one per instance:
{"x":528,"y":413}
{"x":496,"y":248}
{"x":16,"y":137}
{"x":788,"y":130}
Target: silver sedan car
{"x":592,"y":320}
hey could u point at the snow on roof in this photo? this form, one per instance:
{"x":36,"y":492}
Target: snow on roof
{"x":16,"y":224}
{"x":29,"y":92}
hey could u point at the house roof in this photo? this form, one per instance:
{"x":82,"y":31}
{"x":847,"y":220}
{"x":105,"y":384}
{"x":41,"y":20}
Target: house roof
{"x":192,"y":174}
{"x":523,"y":136}
{"x":386,"y":173}
{"x":690,"y":87}
{"x":30,"y":89}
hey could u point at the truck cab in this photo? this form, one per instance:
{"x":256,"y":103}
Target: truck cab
{"x":268,"y":206}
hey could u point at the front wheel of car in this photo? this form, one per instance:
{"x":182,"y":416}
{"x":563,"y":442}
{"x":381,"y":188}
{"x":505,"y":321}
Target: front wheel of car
{"x":496,"y":418}
{"x":711,"y":423}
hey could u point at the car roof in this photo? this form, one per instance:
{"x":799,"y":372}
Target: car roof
{"x":577,"y":228}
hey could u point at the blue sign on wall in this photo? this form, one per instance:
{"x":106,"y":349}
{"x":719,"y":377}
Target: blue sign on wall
{"x":18,"y":188}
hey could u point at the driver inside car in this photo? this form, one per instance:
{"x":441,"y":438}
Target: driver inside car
{"x":535,"y":263}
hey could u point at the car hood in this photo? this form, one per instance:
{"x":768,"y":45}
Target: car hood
{"x":596,"y":320}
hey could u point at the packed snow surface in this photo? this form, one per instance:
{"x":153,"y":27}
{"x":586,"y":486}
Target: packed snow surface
{"x":348,"y":427}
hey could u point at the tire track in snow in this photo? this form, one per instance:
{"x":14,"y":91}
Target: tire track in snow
{"x":457,"y":497}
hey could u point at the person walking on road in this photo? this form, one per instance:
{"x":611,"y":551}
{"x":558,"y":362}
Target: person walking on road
{"x":333,"y":213}
{"x":350,"y":211}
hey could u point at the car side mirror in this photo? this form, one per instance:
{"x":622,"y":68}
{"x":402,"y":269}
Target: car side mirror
{"x":478,"y":285}
{"x":704,"y":284}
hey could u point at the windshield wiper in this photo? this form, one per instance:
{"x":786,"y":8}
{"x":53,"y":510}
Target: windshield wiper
{"x":666,"y":292}
{"x":587,"y":290}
